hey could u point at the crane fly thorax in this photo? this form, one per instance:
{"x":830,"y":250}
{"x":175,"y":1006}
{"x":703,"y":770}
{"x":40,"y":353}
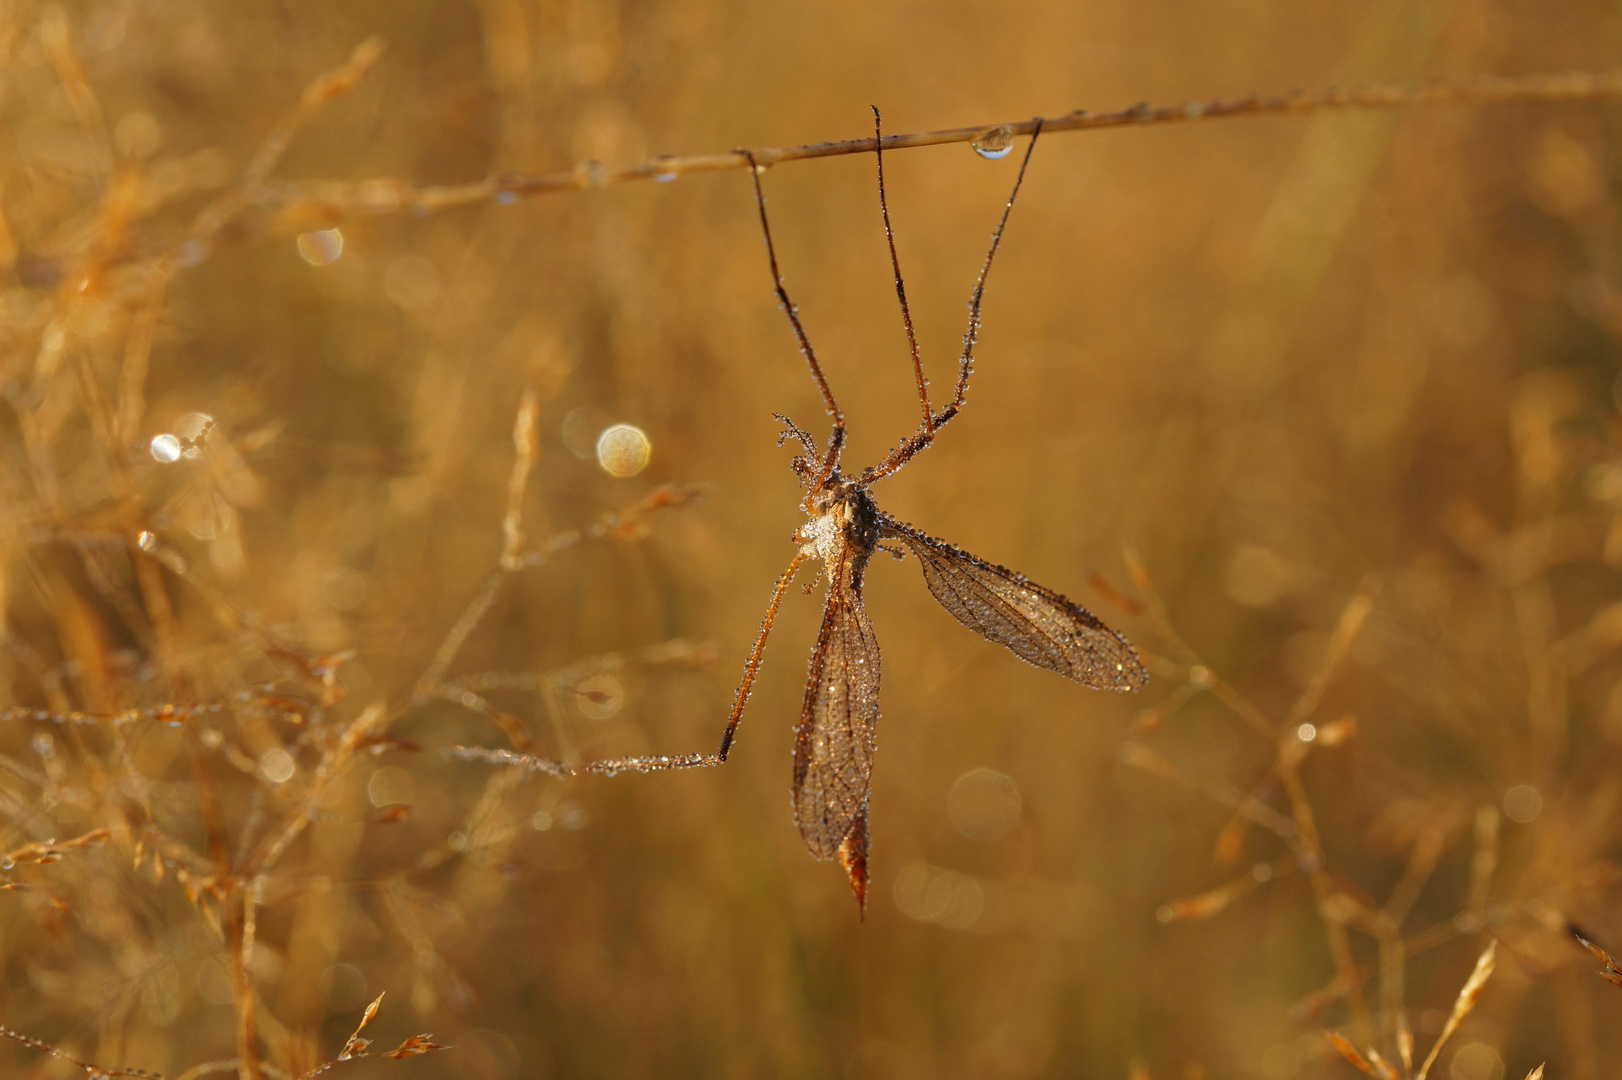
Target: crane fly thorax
{"x":844,"y":525}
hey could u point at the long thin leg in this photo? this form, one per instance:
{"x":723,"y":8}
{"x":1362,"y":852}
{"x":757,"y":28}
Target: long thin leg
{"x":965,"y":364}
{"x":900,"y":289}
{"x":750,"y":668}
{"x":837,"y":439}
{"x":756,"y":654}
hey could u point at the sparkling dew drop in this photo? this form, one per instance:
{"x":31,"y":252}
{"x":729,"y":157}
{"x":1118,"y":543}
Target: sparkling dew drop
{"x":994,"y":143}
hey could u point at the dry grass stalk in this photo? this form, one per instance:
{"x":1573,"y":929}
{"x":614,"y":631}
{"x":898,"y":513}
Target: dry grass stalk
{"x":1613,"y":967}
{"x":92,"y":1070}
{"x":1338,"y":908}
{"x":1209,"y":903}
{"x":1375,"y":1065}
{"x":357,"y":1047}
{"x":333,"y":202}
{"x":1468,"y":994}
{"x":627,"y":524}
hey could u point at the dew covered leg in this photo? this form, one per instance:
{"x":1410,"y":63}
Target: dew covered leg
{"x":751,"y":667}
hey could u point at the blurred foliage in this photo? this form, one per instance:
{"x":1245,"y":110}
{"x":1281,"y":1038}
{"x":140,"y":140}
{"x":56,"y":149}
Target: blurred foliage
{"x":1345,"y":383}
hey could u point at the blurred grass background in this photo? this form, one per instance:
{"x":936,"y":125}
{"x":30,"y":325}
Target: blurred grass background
{"x":1284,"y":359}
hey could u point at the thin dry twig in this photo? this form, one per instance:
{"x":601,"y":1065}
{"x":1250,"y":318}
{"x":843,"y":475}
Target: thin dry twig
{"x":332,"y":766}
{"x":1208,"y":903}
{"x":489,"y":756}
{"x":1140,"y":756}
{"x":1347,"y":628}
{"x":525,"y":447}
{"x":629,"y":523}
{"x":300,"y":205}
{"x":94,"y":1071}
{"x":49,"y":851}
{"x":322,"y":89}
{"x":1484,"y":860}
{"x":1291,"y":752}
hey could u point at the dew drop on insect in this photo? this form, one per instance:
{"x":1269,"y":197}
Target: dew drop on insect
{"x":664,"y":176}
{"x":165,"y":448}
{"x":623,"y":450}
{"x":994,"y":143}
{"x":321,"y":248}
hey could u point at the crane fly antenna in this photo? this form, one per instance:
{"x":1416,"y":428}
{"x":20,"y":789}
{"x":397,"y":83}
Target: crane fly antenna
{"x":900,"y":288}
{"x":836,"y":439}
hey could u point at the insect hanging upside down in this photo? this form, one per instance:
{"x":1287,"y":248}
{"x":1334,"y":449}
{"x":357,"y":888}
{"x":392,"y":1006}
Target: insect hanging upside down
{"x":833,"y":744}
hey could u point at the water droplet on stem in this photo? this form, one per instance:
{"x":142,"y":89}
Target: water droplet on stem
{"x":994,"y":143}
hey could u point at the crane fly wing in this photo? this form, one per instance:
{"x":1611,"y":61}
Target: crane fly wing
{"x":833,"y":746}
{"x":1037,"y":625}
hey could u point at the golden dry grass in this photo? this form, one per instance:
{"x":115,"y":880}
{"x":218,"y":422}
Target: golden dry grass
{"x":1340,"y":385}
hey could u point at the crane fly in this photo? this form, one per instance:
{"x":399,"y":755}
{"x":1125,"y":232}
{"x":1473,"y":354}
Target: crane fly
{"x":833,"y":744}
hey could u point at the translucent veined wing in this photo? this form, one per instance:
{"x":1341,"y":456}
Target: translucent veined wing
{"x":1036,"y":624}
{"x":833,"y":746}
